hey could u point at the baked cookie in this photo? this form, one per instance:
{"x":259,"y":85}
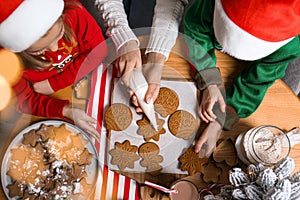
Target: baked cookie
{"x":46,"y":132}
{"x":147,"y":131}
{"x":31,"y":138}
{"x":151,"y":159}
{"x":72,"y":152}
{"x":62,"y":134}
{"x":224,"y":176}
{"x":118,"y":117}
{"x":166,"y":102}
{"x":191,"y":162}
{"x":182,"y":124}
{"x":82,"y":190}
{"x":25,"y":162}
{"x":41,"y":168}
{"x":78,"y":171}
{"x":33,"y":196}
{"x":78,"y":141}
{"x":225,"y":151}
{"x":16,"y":189}
{"x":211,"y":173}
{"x":124,"y":155}
{"x":85,"y":158}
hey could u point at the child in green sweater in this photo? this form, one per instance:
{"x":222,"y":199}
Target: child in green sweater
{"x":264,"y":32}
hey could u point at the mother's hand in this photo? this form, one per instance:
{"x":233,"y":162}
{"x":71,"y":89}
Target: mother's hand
{"x":130,"y":58}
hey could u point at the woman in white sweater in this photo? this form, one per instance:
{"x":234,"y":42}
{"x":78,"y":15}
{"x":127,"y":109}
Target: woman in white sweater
{"x":166,"y":20}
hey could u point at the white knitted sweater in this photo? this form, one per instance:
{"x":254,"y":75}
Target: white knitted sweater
{"x":166,"y":20}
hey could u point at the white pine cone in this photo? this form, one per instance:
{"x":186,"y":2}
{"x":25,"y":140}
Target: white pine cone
{"x":284,"y":168}
{"x":237,"y":177}
{"x":239,"y":194}
{"x":266,"y":179}
{"x":254,"y":192}
{"x":295,"y":191}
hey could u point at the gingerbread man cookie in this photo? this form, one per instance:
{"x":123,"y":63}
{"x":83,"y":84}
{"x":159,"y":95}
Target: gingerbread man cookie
{"x":151,"y":159}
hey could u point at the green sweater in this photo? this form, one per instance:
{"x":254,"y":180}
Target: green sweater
{"x":250,"y":87}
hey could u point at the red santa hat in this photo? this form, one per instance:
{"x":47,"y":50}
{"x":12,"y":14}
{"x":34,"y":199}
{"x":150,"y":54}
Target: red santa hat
{"x":253,"y":29}
{"x":23,"y":22}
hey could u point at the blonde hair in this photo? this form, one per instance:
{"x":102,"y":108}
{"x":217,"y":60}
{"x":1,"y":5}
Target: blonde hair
{"x":36,"y":61}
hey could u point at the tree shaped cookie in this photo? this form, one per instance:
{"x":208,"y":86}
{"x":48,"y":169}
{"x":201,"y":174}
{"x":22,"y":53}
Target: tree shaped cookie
{"x":147,"y":131}
{"x":124,"y":155}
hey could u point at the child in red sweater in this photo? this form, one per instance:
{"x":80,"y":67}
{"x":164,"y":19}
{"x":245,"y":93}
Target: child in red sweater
{"x":53,"y":39}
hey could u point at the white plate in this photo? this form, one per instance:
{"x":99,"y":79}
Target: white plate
{"x":92,"y":170}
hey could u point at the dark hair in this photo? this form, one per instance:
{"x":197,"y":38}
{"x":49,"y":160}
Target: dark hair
{"x":39,"y":62}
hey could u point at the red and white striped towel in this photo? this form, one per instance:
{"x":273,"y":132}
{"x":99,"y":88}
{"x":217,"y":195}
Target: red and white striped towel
{"x":110,"y":185}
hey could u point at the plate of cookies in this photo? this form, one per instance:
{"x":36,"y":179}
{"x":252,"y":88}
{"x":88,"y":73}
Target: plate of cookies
{"x":50,"y":159}
{"x":135,"y":146}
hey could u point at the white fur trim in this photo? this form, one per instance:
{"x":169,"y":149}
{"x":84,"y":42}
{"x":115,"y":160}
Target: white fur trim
{"x":28,"y":23}
{"x":239,"y":43}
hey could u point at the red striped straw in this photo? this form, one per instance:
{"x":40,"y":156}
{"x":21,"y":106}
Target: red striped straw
{"x":161,"y":188}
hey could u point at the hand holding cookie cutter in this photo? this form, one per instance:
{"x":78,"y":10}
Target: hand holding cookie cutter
{"x":139,"y":86}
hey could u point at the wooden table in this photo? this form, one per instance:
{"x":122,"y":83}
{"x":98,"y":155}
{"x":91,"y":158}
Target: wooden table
{"x":280,"y":107}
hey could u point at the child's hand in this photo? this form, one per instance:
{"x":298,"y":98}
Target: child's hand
{"x":82,"y":120}
{"x":209,"y":138}
{"x":211,"y":95}
{"x":130,"y":58}
{"x":43,"y":87}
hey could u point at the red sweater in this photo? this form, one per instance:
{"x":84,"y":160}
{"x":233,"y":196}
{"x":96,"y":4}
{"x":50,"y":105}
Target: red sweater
{"x":69,"y":64}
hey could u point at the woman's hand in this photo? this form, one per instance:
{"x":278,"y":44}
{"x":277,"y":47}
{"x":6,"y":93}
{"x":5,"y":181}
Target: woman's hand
{"x":211,"y":95}
{"x":43,"y":87}
{"x":130,"y":58}
{"x":152,"y":72}
{"x":81,"y":119}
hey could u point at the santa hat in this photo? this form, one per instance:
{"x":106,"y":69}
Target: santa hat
{"x":253,"y":29}
{"x":23,"y":22}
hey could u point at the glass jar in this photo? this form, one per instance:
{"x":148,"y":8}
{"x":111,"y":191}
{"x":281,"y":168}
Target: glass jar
{"x":265,"y":144}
